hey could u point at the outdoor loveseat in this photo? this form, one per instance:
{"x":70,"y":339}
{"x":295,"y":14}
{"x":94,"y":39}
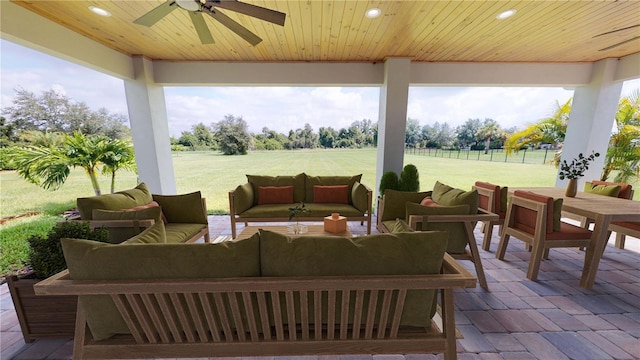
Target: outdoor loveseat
{"x":126,"y":213}
{"x":268,"y":199}
{"x":269,"y":295}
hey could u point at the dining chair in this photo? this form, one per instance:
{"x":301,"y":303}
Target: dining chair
{"x":606,"y":188}
{"x":492,"y":199}
{"x":535,"y":220}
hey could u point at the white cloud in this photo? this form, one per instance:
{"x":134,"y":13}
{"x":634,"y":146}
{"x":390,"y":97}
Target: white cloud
{"x":278,"y":108}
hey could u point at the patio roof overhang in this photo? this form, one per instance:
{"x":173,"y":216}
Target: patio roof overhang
{"x":415,"y":43}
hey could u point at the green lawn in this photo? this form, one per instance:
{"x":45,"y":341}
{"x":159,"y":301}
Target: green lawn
{"x":215,"y":175}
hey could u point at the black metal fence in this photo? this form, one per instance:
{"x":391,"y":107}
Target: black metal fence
{"x":536,"y":156}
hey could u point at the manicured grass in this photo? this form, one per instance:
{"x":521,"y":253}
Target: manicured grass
{"x":215,"y":175}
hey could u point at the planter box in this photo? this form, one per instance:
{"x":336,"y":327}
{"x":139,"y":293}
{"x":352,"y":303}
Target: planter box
{"x":42,"y":317}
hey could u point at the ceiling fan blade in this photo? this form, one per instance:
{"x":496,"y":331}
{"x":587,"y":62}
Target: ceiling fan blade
{"x":621,"y":29}
{"x":201,"y":28}
{"x":242,"y":31}
{"x":255,"y":11}
{"x":620,"y":43}
{"x":156,"y":14}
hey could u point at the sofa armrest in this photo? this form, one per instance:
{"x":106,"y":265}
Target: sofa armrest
{"x":415,"y":221}
{"x":240,"y":199}
{"x":184,"y":208}
{"x":362,"y":197}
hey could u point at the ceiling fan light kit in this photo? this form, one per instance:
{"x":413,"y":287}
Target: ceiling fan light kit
{"x":212,"y":8}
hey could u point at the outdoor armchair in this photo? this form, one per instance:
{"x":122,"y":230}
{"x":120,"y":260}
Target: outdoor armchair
{"x":492,"y":199}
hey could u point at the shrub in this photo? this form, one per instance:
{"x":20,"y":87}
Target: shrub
{"x":45,"y":253}
{"x":409,"y":178}
{"x":389,"y":180}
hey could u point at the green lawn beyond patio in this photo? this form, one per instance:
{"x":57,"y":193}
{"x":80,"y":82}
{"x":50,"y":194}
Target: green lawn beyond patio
{"x":215,"y":175}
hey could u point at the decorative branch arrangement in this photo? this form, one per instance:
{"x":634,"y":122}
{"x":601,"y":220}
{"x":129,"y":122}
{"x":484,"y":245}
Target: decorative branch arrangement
{"x":577,"y":167}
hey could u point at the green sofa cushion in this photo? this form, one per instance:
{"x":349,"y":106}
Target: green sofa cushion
{"x":606,"y":190}
{"x":139,"y":195}
{"x":315,"y":210}
{"x":117,"y":234}
{"x":381,"y":254}
{"x":155,"y":234}
{"x":504,"y":194}
{"x":457,"y":233}
{"x":180,"y":232}
{"x":90,"y":260}
{"x":242,"y":198}
{"x":360,"y":197}
{"x":183,"y":208}
{"x":312,"y":181}
{"x":297,"y":181}
{"x":394,"y":203}
{"x":448,"y":196}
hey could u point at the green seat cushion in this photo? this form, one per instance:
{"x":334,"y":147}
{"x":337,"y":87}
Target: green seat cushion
{"x":90,"y":260}
{"x":120,"y":234}
{"x":395,"y":201}
{"x":179,"y":233}
{"x":606,"y":190}
{"x":183,"y":208}
{"x":312,"y":181}
{"x":458,"y":239}
{"x":155,"y":234}
{"x":127,"y":199}
{"x":448,"y":196}
{"x":297,"y":181}
{"x":398,"y":226}
{"x":315,"y":210}
{"x":381,"y":254}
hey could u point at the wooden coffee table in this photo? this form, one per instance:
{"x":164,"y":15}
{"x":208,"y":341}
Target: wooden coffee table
{"x":313,"y":230}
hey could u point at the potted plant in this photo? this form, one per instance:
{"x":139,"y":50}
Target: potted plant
{"x":574,"y":170}
{"x":294,"y":212}
{"x":48,"y":316}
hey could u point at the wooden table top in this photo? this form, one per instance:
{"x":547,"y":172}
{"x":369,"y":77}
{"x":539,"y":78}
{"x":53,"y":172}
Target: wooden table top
{"x":591,"y":205}
{"x":312,"y":230}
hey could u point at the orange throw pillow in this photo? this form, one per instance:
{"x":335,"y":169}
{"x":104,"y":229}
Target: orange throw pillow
{"x":331,"y":194}
{"x":428,"y":201}
{"x":275,"y":195}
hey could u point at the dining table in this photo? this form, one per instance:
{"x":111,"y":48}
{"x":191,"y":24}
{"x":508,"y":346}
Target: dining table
{"x":603,"y":210}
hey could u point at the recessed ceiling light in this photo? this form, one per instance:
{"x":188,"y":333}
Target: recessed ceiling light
{"x":373,"y":13}
{"x":506,"y":14}
{"x":99,"y":11}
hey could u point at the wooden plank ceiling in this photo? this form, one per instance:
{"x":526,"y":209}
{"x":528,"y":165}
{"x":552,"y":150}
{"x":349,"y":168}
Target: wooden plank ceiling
{"x":338,"y":31}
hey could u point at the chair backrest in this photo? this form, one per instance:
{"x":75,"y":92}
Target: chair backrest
{"x":487,"y":201}
{"x":526,"y":218}
{"x":626,"y":190}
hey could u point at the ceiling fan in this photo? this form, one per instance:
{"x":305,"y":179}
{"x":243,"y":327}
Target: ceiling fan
{"x":622,"y":42}
{"x":212,"y":8}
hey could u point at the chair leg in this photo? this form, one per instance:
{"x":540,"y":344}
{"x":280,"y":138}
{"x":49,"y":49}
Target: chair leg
{"x":546,"y":253}
{"x":620,"y":240}
{"x":488,"y":232}
{"x":475,"y":255}
{"x":534,"y":261}
{"x":502,"y":246}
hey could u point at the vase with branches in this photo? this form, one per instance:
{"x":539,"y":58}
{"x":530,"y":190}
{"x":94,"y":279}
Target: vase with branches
{"x":294,"y":212}
{"x":574,"y":170}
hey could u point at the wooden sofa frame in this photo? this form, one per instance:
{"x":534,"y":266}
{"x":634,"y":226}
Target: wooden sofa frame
{"x":180,"y":318}
{"x":235,"y":218}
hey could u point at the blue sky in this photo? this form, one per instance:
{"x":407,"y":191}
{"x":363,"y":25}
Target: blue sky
{"x":278,"y":108}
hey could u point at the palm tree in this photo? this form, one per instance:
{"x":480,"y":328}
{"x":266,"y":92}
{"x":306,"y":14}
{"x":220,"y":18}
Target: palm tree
{"x":49,"y":167}
{"x":117,"y":154}
{"x":550,"y":130}
{"x":623,"y":154}
{"x":489,"y":130}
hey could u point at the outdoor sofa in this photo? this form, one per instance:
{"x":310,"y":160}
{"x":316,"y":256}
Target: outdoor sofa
{"x":268,"y":295}
{"x":268,"y":199}
{"x":126,"y":213}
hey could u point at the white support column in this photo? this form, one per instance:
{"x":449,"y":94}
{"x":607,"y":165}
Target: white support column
{"x":392,"y":119}
{"x":150,"y":129}
{"x":592,"y":118}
